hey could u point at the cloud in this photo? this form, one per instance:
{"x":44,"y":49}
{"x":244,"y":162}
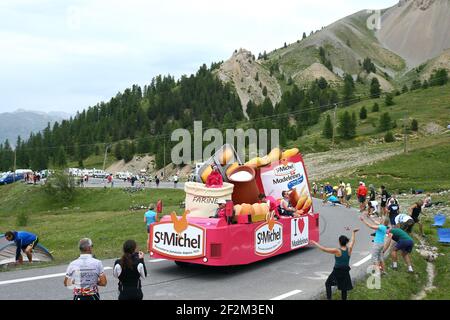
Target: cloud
{"x":70,"y":56}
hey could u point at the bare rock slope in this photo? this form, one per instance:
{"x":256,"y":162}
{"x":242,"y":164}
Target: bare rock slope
{"x":417,"y":30}
{"x":249,"y":78}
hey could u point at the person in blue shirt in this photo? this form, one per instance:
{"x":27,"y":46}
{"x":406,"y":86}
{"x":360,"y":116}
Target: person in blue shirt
{"x":381,"y":229}
{"x":25,"y":241}
{"x":150,"y":216}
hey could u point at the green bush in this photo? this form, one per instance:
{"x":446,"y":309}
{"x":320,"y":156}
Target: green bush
{"x":389,"y":137}
{"x":375,"y":107}
{"x":60,"y":187}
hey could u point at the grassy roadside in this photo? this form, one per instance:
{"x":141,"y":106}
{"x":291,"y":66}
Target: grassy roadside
{"x":101,"y":214}
{"x":426,"y":168}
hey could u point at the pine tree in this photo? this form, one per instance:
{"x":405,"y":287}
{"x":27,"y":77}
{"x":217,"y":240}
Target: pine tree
{"x":322,"y":82}
{"x":368,"y":66}
{"x":414,"y":125}
{"x":375,"y":88}
{"x":405,"y":89}
{"x":385,"y":123}
{"x":257,"y":76}
{"x":127,"y":152}
{"x":375,"y":107}
{"x":118,"y":151}
{"x":348,"y":90}
{"x":389,"y":100}
{"x":264,"y":91}
{"x":425,"y":84}
{"x":327,"y":131}
{"x":389,"y":137}
{"x":61,"y":158}
{"x":346,"y":127}
{"x":363,"y":113}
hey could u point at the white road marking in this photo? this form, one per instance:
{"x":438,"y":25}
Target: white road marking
{"x":48,"y":276}
{"x":361,"y":262}
{"x":157,"y":260}
{"x":286,"y":295}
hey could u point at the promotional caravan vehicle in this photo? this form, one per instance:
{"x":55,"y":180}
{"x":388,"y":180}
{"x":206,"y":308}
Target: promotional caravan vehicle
{"x":247,"y":234}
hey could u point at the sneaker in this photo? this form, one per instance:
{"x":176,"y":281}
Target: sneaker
{"x":394,"y":268}
{"x":410,"y":271}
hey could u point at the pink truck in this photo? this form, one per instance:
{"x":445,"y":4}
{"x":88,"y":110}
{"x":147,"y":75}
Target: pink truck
{"x":215,"y":242}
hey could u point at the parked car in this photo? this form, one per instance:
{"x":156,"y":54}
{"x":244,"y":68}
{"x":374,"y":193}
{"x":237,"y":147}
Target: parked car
{"x":99,"y":174}
{"x":10,"y":177}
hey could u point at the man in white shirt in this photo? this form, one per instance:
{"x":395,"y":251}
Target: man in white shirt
{"x":85,"y":274}
{"x":404,"y":222}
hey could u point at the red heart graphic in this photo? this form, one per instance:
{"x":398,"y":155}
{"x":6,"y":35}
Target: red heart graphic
{"x":301,"y":225}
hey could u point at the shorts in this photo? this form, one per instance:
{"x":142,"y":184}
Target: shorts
{"x":32,"y":244}
{"x":361,"y":199}
{"x":148,"y":229}
{"x":377,"y":252}
{"x":348,"y":198}
{"x":405,"y":245}
{"x":383,"y":204}
{"x":416,"y":219}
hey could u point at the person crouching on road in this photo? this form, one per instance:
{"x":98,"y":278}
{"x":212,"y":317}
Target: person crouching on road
{"x":25,"y":241}
{"x":340,"y":276}
{"x":378,"y":242}
{"x":130,"y":270}
{"x":85,"y":274}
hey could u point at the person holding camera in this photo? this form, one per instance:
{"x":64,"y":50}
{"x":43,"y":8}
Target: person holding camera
{"x":130,"y":270}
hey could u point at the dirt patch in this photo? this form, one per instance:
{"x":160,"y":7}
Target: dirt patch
{"x":433,"y":128}
{"x":316,"y":71}
{"x":331,"y":163}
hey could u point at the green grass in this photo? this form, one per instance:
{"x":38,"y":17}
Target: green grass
{"x":101,"y":214}
{"x":400,"y":285}
{"x":442,"y":263}
{"x":427,"y":169}
{"x":424,"y":105}
{"x":95,"y":161}
{"x":396,"y":285}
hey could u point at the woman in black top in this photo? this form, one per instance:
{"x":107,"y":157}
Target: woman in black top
{"x":130,"y":269}
{"x":414,"y":212}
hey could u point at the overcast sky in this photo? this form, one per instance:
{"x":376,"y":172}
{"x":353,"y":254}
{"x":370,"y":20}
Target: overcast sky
{"x":68,"y":55}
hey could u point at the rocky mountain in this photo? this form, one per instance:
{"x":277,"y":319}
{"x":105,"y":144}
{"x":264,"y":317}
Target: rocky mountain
{"x":249,"y":78}
{"x":416,"y":30}
{"x":411,"y":41}
{"x":23,"y":122}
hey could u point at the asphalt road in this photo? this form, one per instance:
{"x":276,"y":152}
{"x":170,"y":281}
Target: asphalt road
{"x":296,"y":275}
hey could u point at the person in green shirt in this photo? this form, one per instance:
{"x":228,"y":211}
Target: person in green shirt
{"x":340,"y":276}
{"x":404,"y":243}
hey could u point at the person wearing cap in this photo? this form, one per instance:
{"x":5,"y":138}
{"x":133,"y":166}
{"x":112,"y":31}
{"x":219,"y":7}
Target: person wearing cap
{"x":85,"y":274}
